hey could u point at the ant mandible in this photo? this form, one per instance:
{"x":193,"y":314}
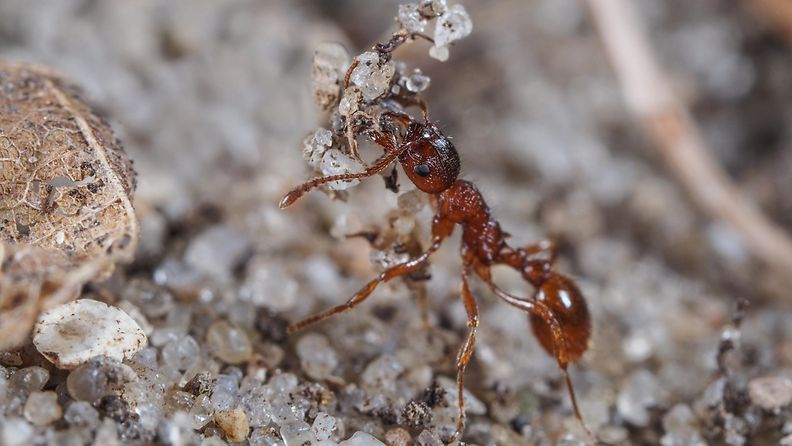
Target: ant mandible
{"x":559,"y":316}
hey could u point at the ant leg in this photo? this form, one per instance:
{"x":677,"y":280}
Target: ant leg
{"x":295,"y":194}
{"x":532,"y":306}
{"x":394,"y":271}
{"x":419,"y":290}
{"x":465,"y":352}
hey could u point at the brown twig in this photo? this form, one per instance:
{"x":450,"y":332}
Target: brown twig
{"x":649,"y":95}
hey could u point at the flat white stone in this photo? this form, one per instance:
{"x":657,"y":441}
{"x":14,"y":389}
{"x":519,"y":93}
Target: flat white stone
{"x":70,"y":334}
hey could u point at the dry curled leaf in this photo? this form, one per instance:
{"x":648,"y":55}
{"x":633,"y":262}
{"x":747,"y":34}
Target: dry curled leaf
{"x":66,"y":215}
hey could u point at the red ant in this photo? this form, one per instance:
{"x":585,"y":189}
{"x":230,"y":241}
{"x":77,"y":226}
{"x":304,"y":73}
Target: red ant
{"x":559,"y":316}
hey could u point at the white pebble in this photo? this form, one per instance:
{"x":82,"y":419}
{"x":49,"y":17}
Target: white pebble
{"x":637,"y":395}
{"x":410,"y":17}
{"x":297,"y":433}
{"x":350,"y":103}
{"x":770,"y":392}
{"x":380,"y":375}
{"x":428,"y":438}
{"x":323,"y":426}
{"x":453,"y":25}
{"x":71,"y":334}
{"x":216,"y":251}
{"x":330,"y":63}
{"x":439,"y":6}
{"x":439,"y":52}
{"x":362,"y":439}
{"x":181,"y":354}
{"x":15,"y":432}
{"x":229,"y":343}
{"x":317,"y":357}
{"x":42,"y":408}
{"x":371,"y":77}
{"x":335,"y":162}
{"x":316,"y":145}
{"x":417,"y":82}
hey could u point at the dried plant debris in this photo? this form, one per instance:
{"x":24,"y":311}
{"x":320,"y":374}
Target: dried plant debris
{"x":66,"y":214}
{"x":358,"y":92}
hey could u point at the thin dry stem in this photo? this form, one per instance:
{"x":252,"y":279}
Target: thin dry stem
{"x":669,"y":123}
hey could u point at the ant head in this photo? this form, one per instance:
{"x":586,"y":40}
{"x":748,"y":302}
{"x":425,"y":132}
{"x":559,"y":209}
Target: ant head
{"x":431,"y":161}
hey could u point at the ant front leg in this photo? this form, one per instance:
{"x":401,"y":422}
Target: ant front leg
{"x":394,"y":271}
{"x":465,"y":352}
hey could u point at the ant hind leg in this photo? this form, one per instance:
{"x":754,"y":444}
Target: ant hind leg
{"x":465,"y":352}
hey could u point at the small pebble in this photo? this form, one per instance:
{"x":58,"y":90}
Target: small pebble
{"x":681,"y":428}
{"x":317,"y":356}
{"x":637,"y":395}
{"x":371,"y":77}
{"x":15,"y":432}
{"x":177,"y":430}
{"x":225,"y":392}
{"x":454,"y":24}
{"x":234,"y":424}
{"x":70,"y":334}
{"x":350,"y":102}
{"x":216,"y":251}
{"x":335,"y":162}
{"x":113,"y":407}
{"x":411,"y":19}
{"x":380,"y":375}
{"x":504,"y":435}
{"x":199,"y":384}
{"x":398,"y":437}
{"x":42,"y":408}
{"x":417,"y":414}
{"x":297,"y":433}
{"x":361,"y":439}
{"x":229,"y":343}
{"x":30,"y":379}
{"x":81,"y":414}
{"x":323,"y":426}
{"x":182,"y":353}
{"x":417,"y":82}
{"x":428,"y":438}
{"x":770,"y":392}
{"x":97,"y":378}
{"x":330,"y":63}
{"x":201,"y":412}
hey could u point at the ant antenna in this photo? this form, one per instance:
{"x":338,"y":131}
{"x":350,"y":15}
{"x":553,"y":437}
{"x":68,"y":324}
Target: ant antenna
{"x":380,"y":164}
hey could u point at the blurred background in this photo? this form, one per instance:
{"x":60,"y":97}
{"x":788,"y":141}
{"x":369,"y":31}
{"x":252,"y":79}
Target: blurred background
{"x":212,"y":100}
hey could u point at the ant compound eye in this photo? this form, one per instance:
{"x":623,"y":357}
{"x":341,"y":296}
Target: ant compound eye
{"x":422,"y":170}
